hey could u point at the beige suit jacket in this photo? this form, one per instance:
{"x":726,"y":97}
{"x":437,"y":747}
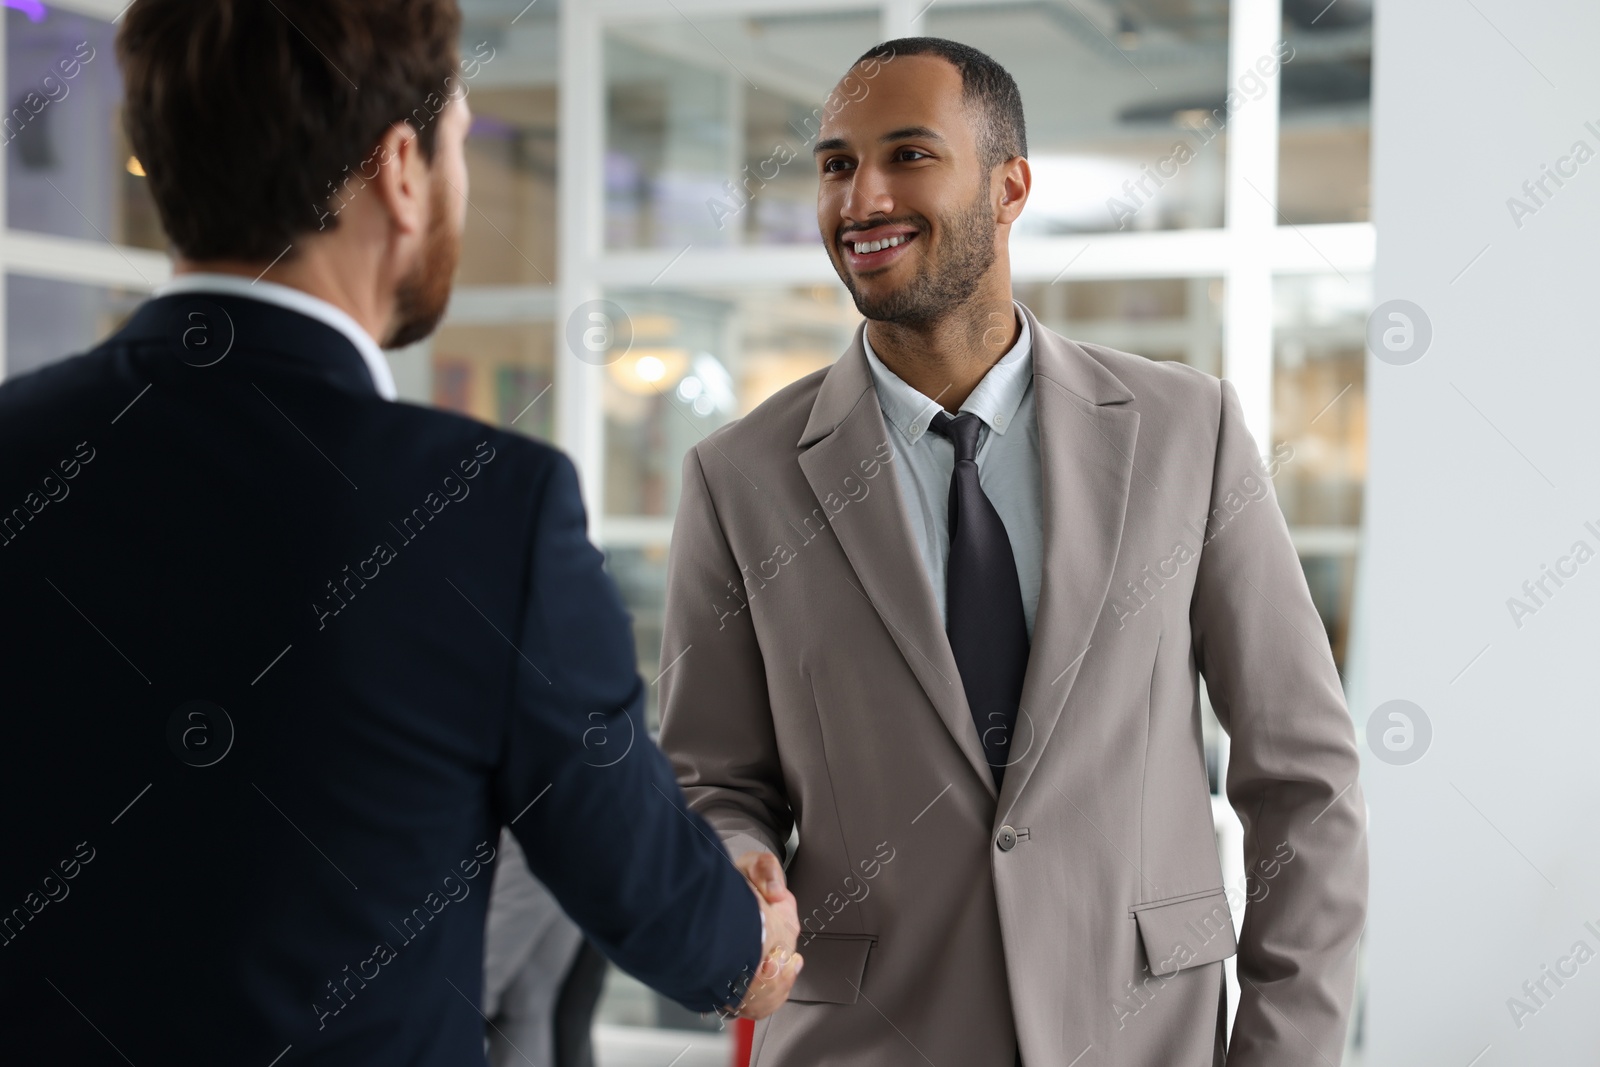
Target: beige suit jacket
{"x":1081,"y":912}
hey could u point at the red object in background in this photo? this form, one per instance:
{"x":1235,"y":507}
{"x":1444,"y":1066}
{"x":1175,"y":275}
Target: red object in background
{"x":744,"y":1035}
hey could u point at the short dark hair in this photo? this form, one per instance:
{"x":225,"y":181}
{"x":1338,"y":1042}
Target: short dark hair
{"x":985,"y":85}
{"x":248,"y":116}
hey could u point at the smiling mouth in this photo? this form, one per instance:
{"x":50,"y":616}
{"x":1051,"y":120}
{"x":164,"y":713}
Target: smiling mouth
{"x":865,"y":247}
{"x":867,"y":255}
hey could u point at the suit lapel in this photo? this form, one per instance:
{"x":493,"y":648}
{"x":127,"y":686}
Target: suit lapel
{"x":1086,"y":446}
{"x":846,"y":428}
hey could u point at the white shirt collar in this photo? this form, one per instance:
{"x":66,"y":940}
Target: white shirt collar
{"x":295,"y":300}
{"x":995,"y":400}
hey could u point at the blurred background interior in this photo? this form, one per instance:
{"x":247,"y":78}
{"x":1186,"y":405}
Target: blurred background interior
{"x":634,"y":151}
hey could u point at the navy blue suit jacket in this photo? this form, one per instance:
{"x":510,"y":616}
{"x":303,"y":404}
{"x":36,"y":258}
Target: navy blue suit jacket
{"x":279,"y":659}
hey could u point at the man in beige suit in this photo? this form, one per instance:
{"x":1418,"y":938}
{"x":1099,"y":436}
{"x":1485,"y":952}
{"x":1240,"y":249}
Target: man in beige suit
{"x":944,"y":609}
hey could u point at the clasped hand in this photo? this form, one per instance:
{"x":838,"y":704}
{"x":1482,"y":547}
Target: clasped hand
{"x":780,"y":963}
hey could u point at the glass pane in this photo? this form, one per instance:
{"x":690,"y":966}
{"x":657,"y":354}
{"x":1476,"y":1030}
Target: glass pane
{"x":1319,"y":431}
{"x":500,"y":373}
{"x":1324,"y":149}
{"x":698,"y":360}
{"x":1125,"y":106}
{"x":1160,"y":318}
{"x":1319,"y":398}
{"x":709,"y":125}
{"x":69,"y":170}
{"x":641,"y":575}
{"x":48,"y":320}
{"x":510,"y":235}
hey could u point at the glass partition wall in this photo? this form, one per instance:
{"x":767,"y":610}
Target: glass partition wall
{"x":1200,"y":195}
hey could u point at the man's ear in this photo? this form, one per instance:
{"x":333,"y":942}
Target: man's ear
{"x":1016,"y":180}
{"x":402,"y":180}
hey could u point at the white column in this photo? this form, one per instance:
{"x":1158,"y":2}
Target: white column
{"x":1255,"y":27}
{"x":580,"y":427}
{"x":1480,"y":478}
{"x":1251,"y":214}
{"x":904,"y":18}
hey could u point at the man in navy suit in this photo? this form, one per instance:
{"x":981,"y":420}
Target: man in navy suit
{"x":281,"y":655}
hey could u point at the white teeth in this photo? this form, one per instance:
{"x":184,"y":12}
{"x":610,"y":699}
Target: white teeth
{"x":863,"y":247}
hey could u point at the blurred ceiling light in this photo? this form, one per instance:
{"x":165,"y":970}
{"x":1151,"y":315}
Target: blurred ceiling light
{"x":715,"y":389}
{"x":649,"y":371}
{"x":135,"y":168}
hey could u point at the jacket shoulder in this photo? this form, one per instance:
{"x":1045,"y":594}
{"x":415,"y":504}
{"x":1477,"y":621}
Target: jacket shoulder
{"x":1156,"y":379}
{"x":776,"y":423}
{"x":60,"y":381}
{"x":448,"y":429}
{"x":106,"y":378}
{"x":532,"y":476}
{"x":1173,"y":396}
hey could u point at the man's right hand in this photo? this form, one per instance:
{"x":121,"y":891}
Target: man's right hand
{"x":780,"y":963}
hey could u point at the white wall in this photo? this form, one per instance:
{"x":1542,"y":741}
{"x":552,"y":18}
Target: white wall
{"x":1485,"y":465}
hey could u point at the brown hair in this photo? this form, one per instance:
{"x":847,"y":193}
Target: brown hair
{"x":249,"y":115}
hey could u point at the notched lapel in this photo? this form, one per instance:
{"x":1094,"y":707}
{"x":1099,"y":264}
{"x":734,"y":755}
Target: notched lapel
{"x":1087,"y":436}
{"x":875,"y":534}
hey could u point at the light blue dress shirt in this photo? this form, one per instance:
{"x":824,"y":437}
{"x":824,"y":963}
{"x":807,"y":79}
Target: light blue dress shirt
{"x":1008,"y":463}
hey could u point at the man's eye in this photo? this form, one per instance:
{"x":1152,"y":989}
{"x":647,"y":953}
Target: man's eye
{"x":833,"y":166}
{"x":910,"y":154}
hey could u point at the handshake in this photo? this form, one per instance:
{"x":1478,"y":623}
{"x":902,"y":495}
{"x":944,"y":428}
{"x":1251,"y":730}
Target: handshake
{"x":780,"y":963}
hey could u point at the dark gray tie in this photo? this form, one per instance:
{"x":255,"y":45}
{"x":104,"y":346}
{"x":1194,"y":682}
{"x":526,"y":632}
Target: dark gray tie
{"x":983,"y":598}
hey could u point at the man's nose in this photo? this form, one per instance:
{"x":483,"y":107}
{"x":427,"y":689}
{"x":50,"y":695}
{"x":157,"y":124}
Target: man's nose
{"x":868,"y":196}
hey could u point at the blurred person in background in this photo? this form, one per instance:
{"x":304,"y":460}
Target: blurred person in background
{"x":541,"y":978}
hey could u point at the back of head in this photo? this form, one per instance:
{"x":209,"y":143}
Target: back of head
{"x":247,"y":116}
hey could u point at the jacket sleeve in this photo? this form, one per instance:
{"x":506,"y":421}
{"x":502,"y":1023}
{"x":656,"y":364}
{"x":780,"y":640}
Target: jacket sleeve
{"x":716,"y":720}
{"x":591,"y":798}
{"x":1292,"y":773}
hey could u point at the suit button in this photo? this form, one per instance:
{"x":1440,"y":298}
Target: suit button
{"x":1007,"y":839}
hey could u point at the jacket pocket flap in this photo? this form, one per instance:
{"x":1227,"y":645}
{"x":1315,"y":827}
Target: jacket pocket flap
{"x":1185,"y":932}
{"x":834,"y":966}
